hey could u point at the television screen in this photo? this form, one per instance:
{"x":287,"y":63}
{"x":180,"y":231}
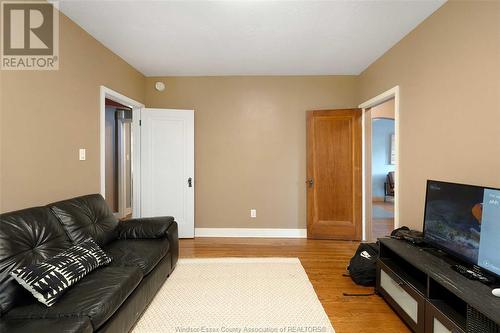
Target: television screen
{"x":464,"y":220}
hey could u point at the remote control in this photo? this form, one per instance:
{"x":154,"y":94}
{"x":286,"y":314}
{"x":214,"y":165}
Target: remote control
{"x":470,"y":274}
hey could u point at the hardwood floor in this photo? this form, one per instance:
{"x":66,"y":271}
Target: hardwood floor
{"x":382,"y":225}
{"x":325,"y":262}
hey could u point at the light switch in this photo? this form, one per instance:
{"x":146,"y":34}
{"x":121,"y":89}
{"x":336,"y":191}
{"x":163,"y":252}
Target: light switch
{"x":82,"y":153}
{"x":253,"y":213}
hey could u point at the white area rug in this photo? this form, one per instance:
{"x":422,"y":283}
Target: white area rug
{"x":264,"y":295}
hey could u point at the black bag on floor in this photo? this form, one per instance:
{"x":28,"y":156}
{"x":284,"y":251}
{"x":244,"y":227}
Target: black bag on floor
{"x":363,"y":265}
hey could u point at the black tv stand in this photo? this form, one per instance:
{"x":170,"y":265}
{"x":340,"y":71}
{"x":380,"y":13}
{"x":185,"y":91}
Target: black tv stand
{"x":435,"y":251}
{"x":421,"y":286}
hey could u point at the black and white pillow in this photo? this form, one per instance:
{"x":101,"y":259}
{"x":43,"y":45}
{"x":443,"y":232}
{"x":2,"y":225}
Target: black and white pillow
{"x":48,"y":280}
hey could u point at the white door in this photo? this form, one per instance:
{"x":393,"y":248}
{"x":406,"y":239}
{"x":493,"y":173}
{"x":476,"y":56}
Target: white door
{"x":167,"y":166}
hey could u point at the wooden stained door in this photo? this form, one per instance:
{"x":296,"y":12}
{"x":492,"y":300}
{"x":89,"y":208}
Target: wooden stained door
{"x":334,"y":174}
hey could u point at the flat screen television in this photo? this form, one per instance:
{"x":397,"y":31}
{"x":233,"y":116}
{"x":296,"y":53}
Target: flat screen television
{"x":464,"y":221}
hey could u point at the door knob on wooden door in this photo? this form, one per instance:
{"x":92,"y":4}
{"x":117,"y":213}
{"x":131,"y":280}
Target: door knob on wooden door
{"x":310,"y":182}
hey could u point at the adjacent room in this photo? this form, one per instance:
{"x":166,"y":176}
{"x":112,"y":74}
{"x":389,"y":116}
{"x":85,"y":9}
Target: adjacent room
{"x":250,"y":166}
{"x":383,"y":166}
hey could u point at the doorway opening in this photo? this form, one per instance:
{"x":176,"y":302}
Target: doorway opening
{"x":160,"y":145}
{"x":380,"y":120}
{"x":119,"y":153}
{"x":382,"y":168}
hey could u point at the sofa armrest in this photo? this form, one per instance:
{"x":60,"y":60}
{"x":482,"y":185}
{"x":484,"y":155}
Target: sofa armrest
{"x":145,"y":228}
{"x":152,"y":228}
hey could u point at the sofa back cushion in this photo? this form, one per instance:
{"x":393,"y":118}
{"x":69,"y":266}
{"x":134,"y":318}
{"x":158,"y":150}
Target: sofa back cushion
{"x":27,"y":237}
{"x":86,"y":216}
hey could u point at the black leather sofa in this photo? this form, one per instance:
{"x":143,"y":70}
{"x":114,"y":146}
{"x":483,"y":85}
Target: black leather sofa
{"x":109,"y":299}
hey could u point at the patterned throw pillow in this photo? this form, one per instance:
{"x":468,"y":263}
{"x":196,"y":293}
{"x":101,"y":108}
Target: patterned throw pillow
{"x":48,"y":280}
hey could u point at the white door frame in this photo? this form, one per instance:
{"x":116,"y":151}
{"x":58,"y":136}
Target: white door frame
{"x":135,"y":137}
{"x":389,"y":94}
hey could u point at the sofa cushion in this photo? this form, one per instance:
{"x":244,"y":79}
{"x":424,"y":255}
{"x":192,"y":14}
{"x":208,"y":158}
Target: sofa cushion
{"x":142,"y":253}
{"x":26,"y":237}
{"x":87,"y":216}
{"x":131,"y":310}
{"x":59,"y":325}
{"x":49,"y":279}
{"x":97,"y":296}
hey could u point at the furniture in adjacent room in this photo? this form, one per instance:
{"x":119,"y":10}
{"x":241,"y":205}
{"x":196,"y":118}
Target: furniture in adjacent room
{"x":421,"y":286}
{"x":389,"y":186}
{"x":111,"y":298}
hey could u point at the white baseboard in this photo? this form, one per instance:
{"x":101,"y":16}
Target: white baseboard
{"x":250,"y":232}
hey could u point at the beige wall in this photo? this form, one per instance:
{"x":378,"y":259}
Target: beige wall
{"x":46,"y":116}
{"x":250,"y":131}
{"x":448,"y":70}
{"x":250,"y":142}
{"x":384,"y":110}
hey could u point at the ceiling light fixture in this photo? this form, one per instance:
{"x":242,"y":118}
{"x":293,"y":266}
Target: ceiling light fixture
{"x":160,"y":86}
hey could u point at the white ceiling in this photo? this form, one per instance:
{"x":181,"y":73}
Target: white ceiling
{"x":167,"y":38}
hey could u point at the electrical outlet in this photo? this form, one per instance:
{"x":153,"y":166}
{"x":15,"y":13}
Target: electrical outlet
{"x":82,"y":153}
{"x":253,"y":213}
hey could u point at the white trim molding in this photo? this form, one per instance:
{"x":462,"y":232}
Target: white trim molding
{"x":250,"y":232}
{"x":379,"y":99}
{"x":136,"y":109}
